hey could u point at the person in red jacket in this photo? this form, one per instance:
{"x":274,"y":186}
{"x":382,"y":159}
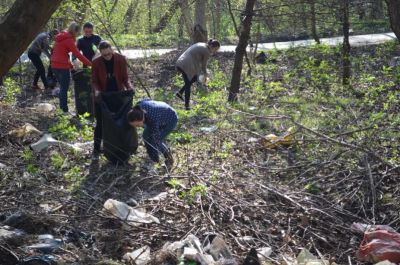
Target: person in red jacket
{"x":109,"y":74}
{"x":61,"y":63}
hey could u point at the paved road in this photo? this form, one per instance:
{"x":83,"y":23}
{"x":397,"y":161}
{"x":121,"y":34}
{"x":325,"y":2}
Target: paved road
{"x":357,"y":40}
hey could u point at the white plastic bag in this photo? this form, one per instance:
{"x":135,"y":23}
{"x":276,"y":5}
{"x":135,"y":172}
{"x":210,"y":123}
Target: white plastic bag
{"x":125,"y":212}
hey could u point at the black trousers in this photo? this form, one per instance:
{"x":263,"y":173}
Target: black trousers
{"x":187,"y":86}
{"x":40,"y":71}
{"x":114,"y":104}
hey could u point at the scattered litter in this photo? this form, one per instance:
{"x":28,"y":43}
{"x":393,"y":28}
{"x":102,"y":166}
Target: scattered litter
{"x":252,"y":108}
{"x":55,"y":92}
{"x":23,"y":131}
{"x":305,"y":257}
{"x":394,"y":62}
{"x":210,"y":129}
{"x":252,"y":140}
{"x":48,"y":140}
{"x":252,"y":258}
{"x":47,"y":244}
{"x":202,"y":79}
{"x":216,"y":246}
{"x":8,"y":233}
{"x":79,"y":238}
{"x":140,"y":256}
{"x":45,"y":107}
{"x":272,"y":141}
{"x":2,"y":166}
{"x":360,"y":228}
{"x":125,"y":212}
{"x":190,"y":253}
{"x":213,"y":251}
{"x":380,"y":245}
{"x":43,"y":143}
{"x":386,"y":262}
{"x":38,"y":260}
{"x":264,"y":253}
{"x":132,"y":202}
{"x":161,"y":196}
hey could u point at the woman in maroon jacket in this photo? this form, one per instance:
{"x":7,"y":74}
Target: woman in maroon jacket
{"x":109,"y":74}
{"x":60,"y":60}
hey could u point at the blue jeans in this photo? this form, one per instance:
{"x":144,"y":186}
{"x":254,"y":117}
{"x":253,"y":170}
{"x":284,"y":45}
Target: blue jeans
{"x":151,"y":146}
{"x":63,"y":77}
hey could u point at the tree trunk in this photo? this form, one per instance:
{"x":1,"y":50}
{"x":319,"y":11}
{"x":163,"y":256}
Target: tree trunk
{"x":187,"y":17}
{"x":218,"y":16}
{"x":313,"y":22}
{"x":377,"y":9}
{"x":394,"y":15}
{"x":241,"y":50}
{"x":163,"y":22}
{"x":346,"y":44}
{"x":23,"y":17}
{"x":129,"y":14}
{"x":149,"y":2}
{"x":200,"y":25}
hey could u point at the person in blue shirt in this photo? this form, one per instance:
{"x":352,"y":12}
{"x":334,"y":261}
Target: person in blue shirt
{"x":159,"y":120}
{"x":89,"y":43}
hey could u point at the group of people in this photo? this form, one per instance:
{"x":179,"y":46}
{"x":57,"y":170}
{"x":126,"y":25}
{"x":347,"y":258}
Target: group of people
{"x":110,"y":74}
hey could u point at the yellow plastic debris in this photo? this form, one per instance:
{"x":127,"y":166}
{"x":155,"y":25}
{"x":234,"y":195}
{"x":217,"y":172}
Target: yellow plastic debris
{"x":24,"y":131}
{"x":272,"y":141}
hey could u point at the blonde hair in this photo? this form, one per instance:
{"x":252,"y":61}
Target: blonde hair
{"x":74,"y":28}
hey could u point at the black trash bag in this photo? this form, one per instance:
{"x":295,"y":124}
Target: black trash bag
{"x":120,"y":140}
{"x":83,"y":91}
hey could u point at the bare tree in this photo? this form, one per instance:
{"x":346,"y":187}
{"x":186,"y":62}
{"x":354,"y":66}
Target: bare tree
{"x":244,"y":36}
{"x":200,"y":24}
{"x":129,"y":14}
{"x":163,"y":22}
{"x":313,"y":21}
{"x":377,"y":9}
{"x":346,"y":43}
{"x":186,"y":17}
{"x":149,"y":3}
{"x":394,"y":15}
{"x":24,"y":17}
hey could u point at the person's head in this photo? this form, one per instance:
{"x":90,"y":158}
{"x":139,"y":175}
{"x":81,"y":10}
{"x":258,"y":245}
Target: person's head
{"x":106,"y":50}
{"x":88,"y":29}
{"x":213,"y":45}
{"x":136,"y":117}
{"x":74,"y":29}
{"x":53,"y":33}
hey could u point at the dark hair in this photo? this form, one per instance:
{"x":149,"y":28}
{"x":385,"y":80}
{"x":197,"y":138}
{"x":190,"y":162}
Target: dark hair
{"x":213,"y":43}
{"x":53,"y":33}
{"x":88,"y":25}
{"x":104,"y":45}
{"x":135,"y":114}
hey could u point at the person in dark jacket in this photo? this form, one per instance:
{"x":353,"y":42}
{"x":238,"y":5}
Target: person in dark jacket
{"x":192,"y":63}
{"x":89,"y":43}
{"x":159,"y":120}
{"x":61,"y":63}
{"x":109,"y":74}
{"x":40,"y":44}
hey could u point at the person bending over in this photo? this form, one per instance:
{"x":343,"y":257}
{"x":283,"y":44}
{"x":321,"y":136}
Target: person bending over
{"x":109,"y":74}
{"x":192,"y":63}
{"x":41,"y":44}
{"x":61,"y":63}
{"x":159,"y":120}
